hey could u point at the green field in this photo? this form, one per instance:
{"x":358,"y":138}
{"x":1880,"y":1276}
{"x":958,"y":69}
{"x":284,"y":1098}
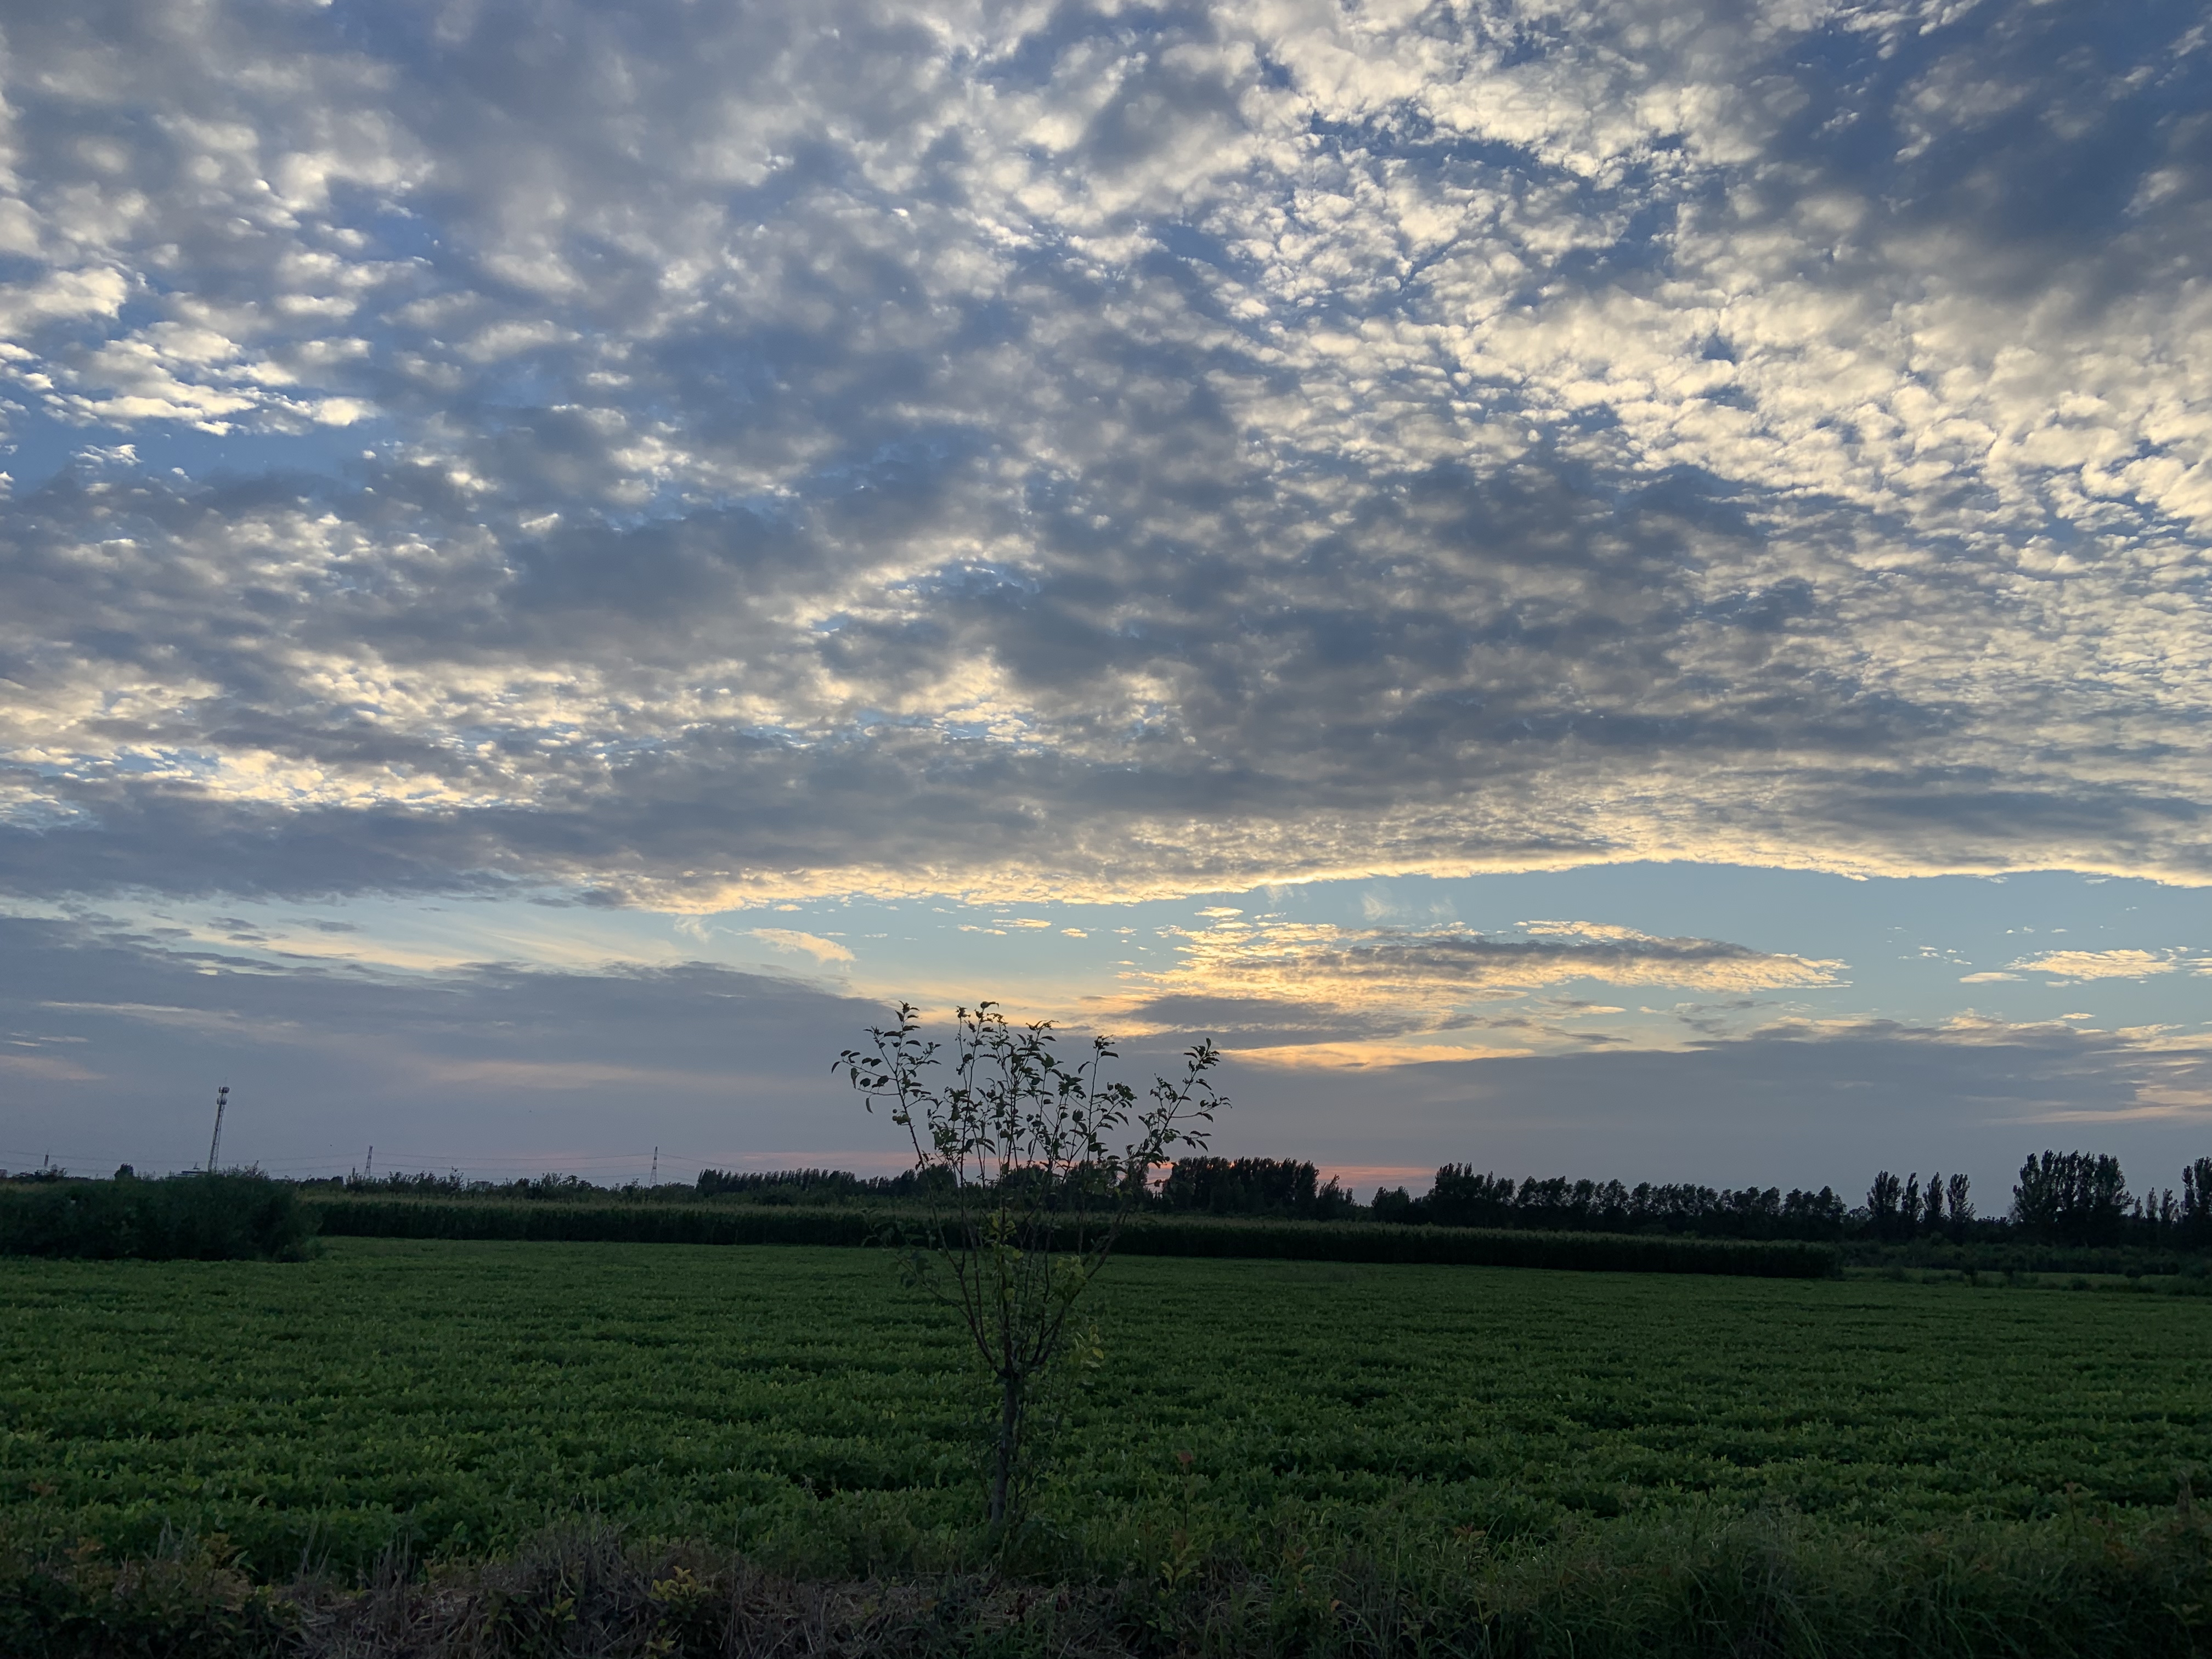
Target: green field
{"x":798,"y":1403}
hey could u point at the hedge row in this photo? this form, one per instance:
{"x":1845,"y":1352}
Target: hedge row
{"x":1485,"y":1247}
{"x":1309,"y":1240}
{"x":193,"y":1217}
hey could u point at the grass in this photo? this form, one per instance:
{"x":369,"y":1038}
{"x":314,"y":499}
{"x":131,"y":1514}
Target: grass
{"x":794,"y":1403}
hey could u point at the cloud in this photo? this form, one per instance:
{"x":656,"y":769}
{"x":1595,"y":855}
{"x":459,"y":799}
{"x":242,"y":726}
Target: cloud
{"x":483,"y":1067}
{"x":1795,"y":1103}
{"x":562,"y":1075}
{"x":735,"y":454}
{"x":810,"y":944}
{"x":1331,"y":995}
{"x":2112,"y":964}
{"x":46,"y":1068}
{"x":1361,"y":1056}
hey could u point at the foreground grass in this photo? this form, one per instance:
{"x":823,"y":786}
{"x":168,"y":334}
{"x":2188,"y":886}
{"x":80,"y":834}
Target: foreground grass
{"x":1674,"y":1585}
{"x":456,"y":1400}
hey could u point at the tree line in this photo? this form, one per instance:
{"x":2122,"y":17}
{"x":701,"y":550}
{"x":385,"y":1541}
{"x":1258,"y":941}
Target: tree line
{"x":1459,"y":1197}
{"x":2083,"y":1198}
{"x":2069,"y":1198}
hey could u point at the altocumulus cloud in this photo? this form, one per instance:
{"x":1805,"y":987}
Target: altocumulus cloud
{"x":2114,"y":965}
{"x":1284,"y":990}
{"x":700,"y":454}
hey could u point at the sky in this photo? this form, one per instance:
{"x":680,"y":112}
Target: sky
{"x":1613,"y":589}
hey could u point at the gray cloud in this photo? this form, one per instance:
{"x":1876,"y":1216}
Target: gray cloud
{"x":1792,"y":1105}
{"x":1043,"y":452}
{"x":118,"y":1044}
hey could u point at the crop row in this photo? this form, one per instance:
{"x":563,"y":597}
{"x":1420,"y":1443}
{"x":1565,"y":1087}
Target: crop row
{"x":402,"y":1218}
{"x":207,"y":1217}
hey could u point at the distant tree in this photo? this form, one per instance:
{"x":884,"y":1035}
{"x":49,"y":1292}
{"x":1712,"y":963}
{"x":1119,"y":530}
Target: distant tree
{"x":800,"y":1186}
{"x":1885,"y":1206}
{"x":2038,"y":1197}
{"x":1396,"y":1204}
{"x":1962,"y":1207}
{"x":2195,"y":1219}
{"x":1931,"y":1206}
{"x":2080,"y":1198}
{"x":1253,"y":1186}
{"x":714,"y":1183}
{"x":2161,"y":1215}
{"x":1029,"y":1166}
{"x":1460,"y":1198}
{"x":1812,"y":1215}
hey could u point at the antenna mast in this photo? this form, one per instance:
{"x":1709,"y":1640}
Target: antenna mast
{"x":222,"y":1099}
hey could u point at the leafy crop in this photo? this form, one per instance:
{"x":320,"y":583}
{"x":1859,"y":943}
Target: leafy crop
{"x":790,"y":1401}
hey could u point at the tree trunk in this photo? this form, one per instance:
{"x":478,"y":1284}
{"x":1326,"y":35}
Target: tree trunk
{"x":1009,"y":1446}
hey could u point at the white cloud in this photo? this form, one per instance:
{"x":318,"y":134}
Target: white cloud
{"x":807,"y":945}
{"x":2112,"y":964}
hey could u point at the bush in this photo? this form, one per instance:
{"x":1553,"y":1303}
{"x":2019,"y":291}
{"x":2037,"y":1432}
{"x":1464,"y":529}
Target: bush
{"x":203,"y":1218}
